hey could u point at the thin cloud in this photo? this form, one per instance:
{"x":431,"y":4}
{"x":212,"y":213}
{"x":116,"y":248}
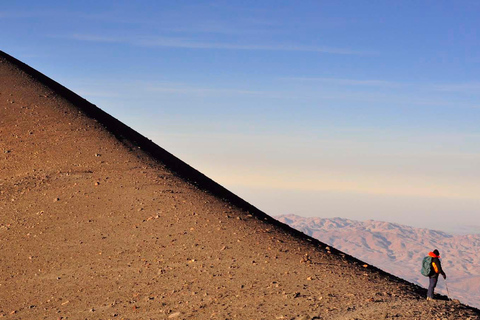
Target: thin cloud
{"x":33,"y":14}
{"x":20,"y":15}
{"x":471,"y":87}
{"x":111,"y":17}
{"x":203,"y":91}
{"x":94,"y":38}
{"x":188,"y":21}
{"x":214,"y":28}
{"x":406,"y":92}
{"x":186,"y":43}
{"x":348,"y":82}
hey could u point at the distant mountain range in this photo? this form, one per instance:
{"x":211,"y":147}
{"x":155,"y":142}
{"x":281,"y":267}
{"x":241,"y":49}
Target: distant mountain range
{"x":399,"y":250}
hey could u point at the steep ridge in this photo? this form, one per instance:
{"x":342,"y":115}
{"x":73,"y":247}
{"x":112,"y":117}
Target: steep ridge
{"x":399,"y":249}
{"x":97,"y":222}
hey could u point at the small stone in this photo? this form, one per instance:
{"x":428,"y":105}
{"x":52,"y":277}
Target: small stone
{"x":56,"y":199}
{"x":174,"y":315}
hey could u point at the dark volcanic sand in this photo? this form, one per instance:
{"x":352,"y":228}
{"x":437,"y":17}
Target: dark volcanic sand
{"x":93,"y":227}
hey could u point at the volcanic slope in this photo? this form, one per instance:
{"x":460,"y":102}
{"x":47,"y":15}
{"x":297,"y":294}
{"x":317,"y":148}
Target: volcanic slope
{"x":96,"y":222}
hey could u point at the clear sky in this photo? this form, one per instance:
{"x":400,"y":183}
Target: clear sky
{"x":357,"y":109}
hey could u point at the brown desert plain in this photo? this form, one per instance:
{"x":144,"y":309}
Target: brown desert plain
{"x":98,"y":222}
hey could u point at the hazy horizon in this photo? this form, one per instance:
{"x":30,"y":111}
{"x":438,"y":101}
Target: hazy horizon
{"x":361,"y":110}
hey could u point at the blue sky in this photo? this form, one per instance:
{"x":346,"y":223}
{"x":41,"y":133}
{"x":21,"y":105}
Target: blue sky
{"x":358,"y":109}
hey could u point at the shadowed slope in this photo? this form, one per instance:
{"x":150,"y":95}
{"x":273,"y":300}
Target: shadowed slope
{"x":99,"y":222}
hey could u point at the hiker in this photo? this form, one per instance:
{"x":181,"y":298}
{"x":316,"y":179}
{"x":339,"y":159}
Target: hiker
{"x":434,"y":272}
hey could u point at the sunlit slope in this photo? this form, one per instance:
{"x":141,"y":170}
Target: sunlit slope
{"x":96,"y":222}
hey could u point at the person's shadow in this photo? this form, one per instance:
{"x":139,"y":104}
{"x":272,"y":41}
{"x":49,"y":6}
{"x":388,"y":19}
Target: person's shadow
{"x":441,"y":297}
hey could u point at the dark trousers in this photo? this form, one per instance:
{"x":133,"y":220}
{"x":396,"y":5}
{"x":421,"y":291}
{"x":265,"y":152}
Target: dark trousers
{"x":431,"y":286}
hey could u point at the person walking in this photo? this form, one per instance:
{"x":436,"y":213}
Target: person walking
{"x":436,"y":270}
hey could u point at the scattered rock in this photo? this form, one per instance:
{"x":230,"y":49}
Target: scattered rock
{"x":306,"y":259}
{"x":174,"y":315}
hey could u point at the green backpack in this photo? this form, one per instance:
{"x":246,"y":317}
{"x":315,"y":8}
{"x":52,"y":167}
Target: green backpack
{"x":426,"y":266}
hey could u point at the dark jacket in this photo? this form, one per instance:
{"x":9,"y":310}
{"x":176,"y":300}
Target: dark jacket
{"x":436,"y":266}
